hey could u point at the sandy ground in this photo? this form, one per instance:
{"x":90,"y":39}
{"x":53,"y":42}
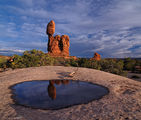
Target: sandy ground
{"x":122,"y":103}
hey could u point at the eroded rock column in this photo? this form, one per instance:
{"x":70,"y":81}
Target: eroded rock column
{"x":57,"y":46}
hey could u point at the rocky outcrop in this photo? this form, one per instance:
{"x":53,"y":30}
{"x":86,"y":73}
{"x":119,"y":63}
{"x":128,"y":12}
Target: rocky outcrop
{"x":58,"y":45}
{"x":65,"y":45}
{"x":51,"y":28}
{"x":96,"y":57}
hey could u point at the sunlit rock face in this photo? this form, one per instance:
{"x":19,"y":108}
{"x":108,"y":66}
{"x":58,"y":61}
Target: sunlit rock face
{"x":65,"y":45}
{"x":96,"y":57}
{"x":58,"y":45}
{"x":51,"y":28}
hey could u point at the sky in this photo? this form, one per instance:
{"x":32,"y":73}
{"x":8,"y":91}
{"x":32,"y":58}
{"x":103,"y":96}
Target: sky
{"x":111,"y":28}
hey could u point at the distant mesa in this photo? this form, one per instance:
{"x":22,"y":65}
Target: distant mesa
{"x":96,"y":57}
{"x":57,"y":45}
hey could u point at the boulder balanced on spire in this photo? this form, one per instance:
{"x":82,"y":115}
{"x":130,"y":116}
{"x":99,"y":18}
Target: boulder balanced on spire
{"x":58,"y":45}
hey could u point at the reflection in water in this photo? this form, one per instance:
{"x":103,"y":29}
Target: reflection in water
{"x":65,"y":82}
{"x":58,"y":82}
{"x":52,"y":88}
{"x":56,"y":94}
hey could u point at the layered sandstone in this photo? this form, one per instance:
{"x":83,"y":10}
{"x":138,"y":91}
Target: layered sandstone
{"x":58,"y":45}
{"x":96,"y":57}
{"x":51,"y":28}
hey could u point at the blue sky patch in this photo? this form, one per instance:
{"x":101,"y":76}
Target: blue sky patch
{"x":109,"y":27}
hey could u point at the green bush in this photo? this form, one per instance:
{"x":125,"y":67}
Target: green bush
{"x":129,"y":64}
{"x":107,"y":65}
{"x":33,"y":58}
{"x":73,"y":62}
{"x":135,"y":77}
{"x":112,"y":66}
{"x":84,"y":62}
{"x":3,"y":62}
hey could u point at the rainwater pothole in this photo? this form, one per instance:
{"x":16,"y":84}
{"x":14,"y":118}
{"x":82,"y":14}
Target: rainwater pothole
{"x":56,"y":94}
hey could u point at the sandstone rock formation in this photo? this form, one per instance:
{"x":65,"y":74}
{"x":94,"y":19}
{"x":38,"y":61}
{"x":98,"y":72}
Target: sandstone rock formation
{"x":51,"y":28}
{"x":58,"y":45}
{"x":96,"y":57}
{"x":65,"y":45}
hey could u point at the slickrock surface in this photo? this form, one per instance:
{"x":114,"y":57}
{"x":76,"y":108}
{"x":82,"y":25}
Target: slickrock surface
{"x":122,"y":103}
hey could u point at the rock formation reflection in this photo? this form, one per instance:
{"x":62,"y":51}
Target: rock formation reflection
{"x":56,"y":94}
{"x":52,"y":88}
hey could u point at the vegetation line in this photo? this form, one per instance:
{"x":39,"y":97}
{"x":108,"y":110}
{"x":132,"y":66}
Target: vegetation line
{"x":36,"y":58}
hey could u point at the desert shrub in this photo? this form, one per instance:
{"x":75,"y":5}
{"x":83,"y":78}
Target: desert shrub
{"x":2,"y":60}
{"x":113,"y":66}
{"x":18,"y":62}
{"x":107,"y":65}
{"x":47,"y":60}
{"x":129,"y":64}
{"x":71,"y":62}
{"x":84,"y":62}
{"x":33,"y":58}
{"x":124,"y":73}
{"x":94,"y":64}
{"x":3,"y":65}
{"x":138,"y":63}
{"x":135,"y":76}
{"x":60,"y":61}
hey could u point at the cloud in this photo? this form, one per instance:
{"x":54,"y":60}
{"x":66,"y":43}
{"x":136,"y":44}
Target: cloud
{"x":28,"y":36}
{"x":10,"y":52}
{"x":8,"y":30}
{"x":110,"y":27}
{"x":120,"y":43}
{"x":125,"y":14}
{"x":7,"y":50}
{"x":27,"y":2}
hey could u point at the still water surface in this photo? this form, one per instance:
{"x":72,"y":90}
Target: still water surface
{"x":56,"y":94}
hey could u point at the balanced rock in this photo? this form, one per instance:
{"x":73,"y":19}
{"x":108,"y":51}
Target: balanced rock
{"x":96,"y":57}
{"x":50,"y":28}
{"x":57,"y":46}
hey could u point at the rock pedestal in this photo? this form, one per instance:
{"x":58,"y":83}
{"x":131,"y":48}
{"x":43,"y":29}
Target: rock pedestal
{"x":58,"y":45}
